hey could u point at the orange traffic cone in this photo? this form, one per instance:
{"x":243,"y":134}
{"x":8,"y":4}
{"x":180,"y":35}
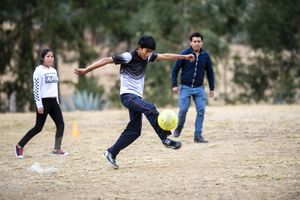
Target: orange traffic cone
{"x":75,"y":130}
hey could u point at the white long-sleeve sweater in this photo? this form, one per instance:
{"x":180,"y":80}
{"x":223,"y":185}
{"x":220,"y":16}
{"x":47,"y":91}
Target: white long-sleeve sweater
{"x":45,"y":82}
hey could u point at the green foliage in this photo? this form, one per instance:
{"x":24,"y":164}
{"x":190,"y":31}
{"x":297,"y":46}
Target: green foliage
{"x":274,"y":25}
{"x":158,"y":84}
{"x":90,"y":84}
{"x":25,"y":29}
{"x":114,"y":95}
{"x":260,"y":82}
{"x":270,"y":27}
{"x":217,"y":47}
{"x":18,"y":20}
{"x":273,"y":75}
{"x":172,"y":35}
{"x":252,"y":79}
{"x":224,"y":18}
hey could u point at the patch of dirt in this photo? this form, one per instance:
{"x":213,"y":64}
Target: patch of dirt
{"x":253,"y":153}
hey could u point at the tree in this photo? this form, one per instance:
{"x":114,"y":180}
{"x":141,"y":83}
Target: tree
{"x":273,"y":31}
{"x":28,"y":26}
{"x":170,"y":23}
{"x":165,"y":28}
{"x":19,"y":19}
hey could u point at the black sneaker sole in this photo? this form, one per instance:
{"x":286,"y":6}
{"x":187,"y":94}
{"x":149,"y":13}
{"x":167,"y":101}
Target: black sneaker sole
{"x":203,"y":142}
{"x":173,"y":147}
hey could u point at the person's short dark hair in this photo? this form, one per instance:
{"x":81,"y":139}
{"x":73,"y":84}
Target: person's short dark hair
{"x":43,"y":54}
{"x":147,"y":42}
{"x":196,"y":34}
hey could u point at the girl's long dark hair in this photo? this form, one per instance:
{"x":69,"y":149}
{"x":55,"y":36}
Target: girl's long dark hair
{"x":43,"y":54}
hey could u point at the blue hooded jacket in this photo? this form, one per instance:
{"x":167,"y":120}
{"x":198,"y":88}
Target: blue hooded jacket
{"x":192,"y":73}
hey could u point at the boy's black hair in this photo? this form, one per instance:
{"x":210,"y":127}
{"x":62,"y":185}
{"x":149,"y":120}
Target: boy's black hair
{"x":43,"y":53}
{"x":196,"y":34}
{"x":147,"y":42}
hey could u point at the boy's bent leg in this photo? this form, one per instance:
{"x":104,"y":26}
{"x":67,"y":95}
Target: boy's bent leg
{"x":129,"y":135}
{"x":137,"y":104}
{"x":151,"y":114}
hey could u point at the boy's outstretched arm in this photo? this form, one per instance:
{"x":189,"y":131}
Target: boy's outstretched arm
{"x":173,"y":56}
{"x":95,"y":65}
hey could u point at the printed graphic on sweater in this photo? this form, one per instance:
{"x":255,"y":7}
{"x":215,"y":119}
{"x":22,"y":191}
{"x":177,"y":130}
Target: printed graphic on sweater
{"x":51,"y":78}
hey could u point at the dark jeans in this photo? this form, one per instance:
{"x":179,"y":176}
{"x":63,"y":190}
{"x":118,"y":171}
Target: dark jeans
{"x":137,"y":106}
{"x":52,"y":108}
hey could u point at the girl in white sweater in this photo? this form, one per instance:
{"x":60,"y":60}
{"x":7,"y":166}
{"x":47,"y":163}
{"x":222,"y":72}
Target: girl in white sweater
{"x":45,"y":90}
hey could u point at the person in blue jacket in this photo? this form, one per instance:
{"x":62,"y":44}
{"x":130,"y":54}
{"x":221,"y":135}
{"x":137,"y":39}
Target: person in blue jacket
{"x":192,"y":78}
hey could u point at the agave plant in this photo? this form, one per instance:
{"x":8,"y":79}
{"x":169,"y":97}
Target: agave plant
{"x":84,"y":100}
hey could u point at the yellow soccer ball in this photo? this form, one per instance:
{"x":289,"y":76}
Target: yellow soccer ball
{"x":167,"y":120}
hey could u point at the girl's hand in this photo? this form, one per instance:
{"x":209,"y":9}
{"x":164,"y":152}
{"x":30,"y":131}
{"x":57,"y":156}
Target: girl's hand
{"x":40,"y":110}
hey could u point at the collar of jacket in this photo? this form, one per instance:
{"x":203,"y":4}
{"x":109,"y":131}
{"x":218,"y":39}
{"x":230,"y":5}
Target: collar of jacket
{"x":190,"y":50}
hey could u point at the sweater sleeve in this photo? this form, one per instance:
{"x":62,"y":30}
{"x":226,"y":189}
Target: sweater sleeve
{"x":57,"y":98}
{"x":175,"y":70}
{"x":210,"y":75}
{"x":37,"y":85}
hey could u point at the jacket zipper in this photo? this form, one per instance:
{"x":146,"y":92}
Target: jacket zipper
{"x":195,"y":71}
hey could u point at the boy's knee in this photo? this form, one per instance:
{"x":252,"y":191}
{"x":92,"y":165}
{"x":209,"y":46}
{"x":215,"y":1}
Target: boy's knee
{"x":138,"y":134}
{"x":135,"y":135}
{"x":153,"y":109}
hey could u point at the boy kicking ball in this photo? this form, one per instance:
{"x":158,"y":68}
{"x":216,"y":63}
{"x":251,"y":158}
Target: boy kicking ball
{"x":132,"y":75}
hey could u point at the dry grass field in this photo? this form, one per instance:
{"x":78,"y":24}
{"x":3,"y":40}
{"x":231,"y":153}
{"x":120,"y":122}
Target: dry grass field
{"x":253,"y":153}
